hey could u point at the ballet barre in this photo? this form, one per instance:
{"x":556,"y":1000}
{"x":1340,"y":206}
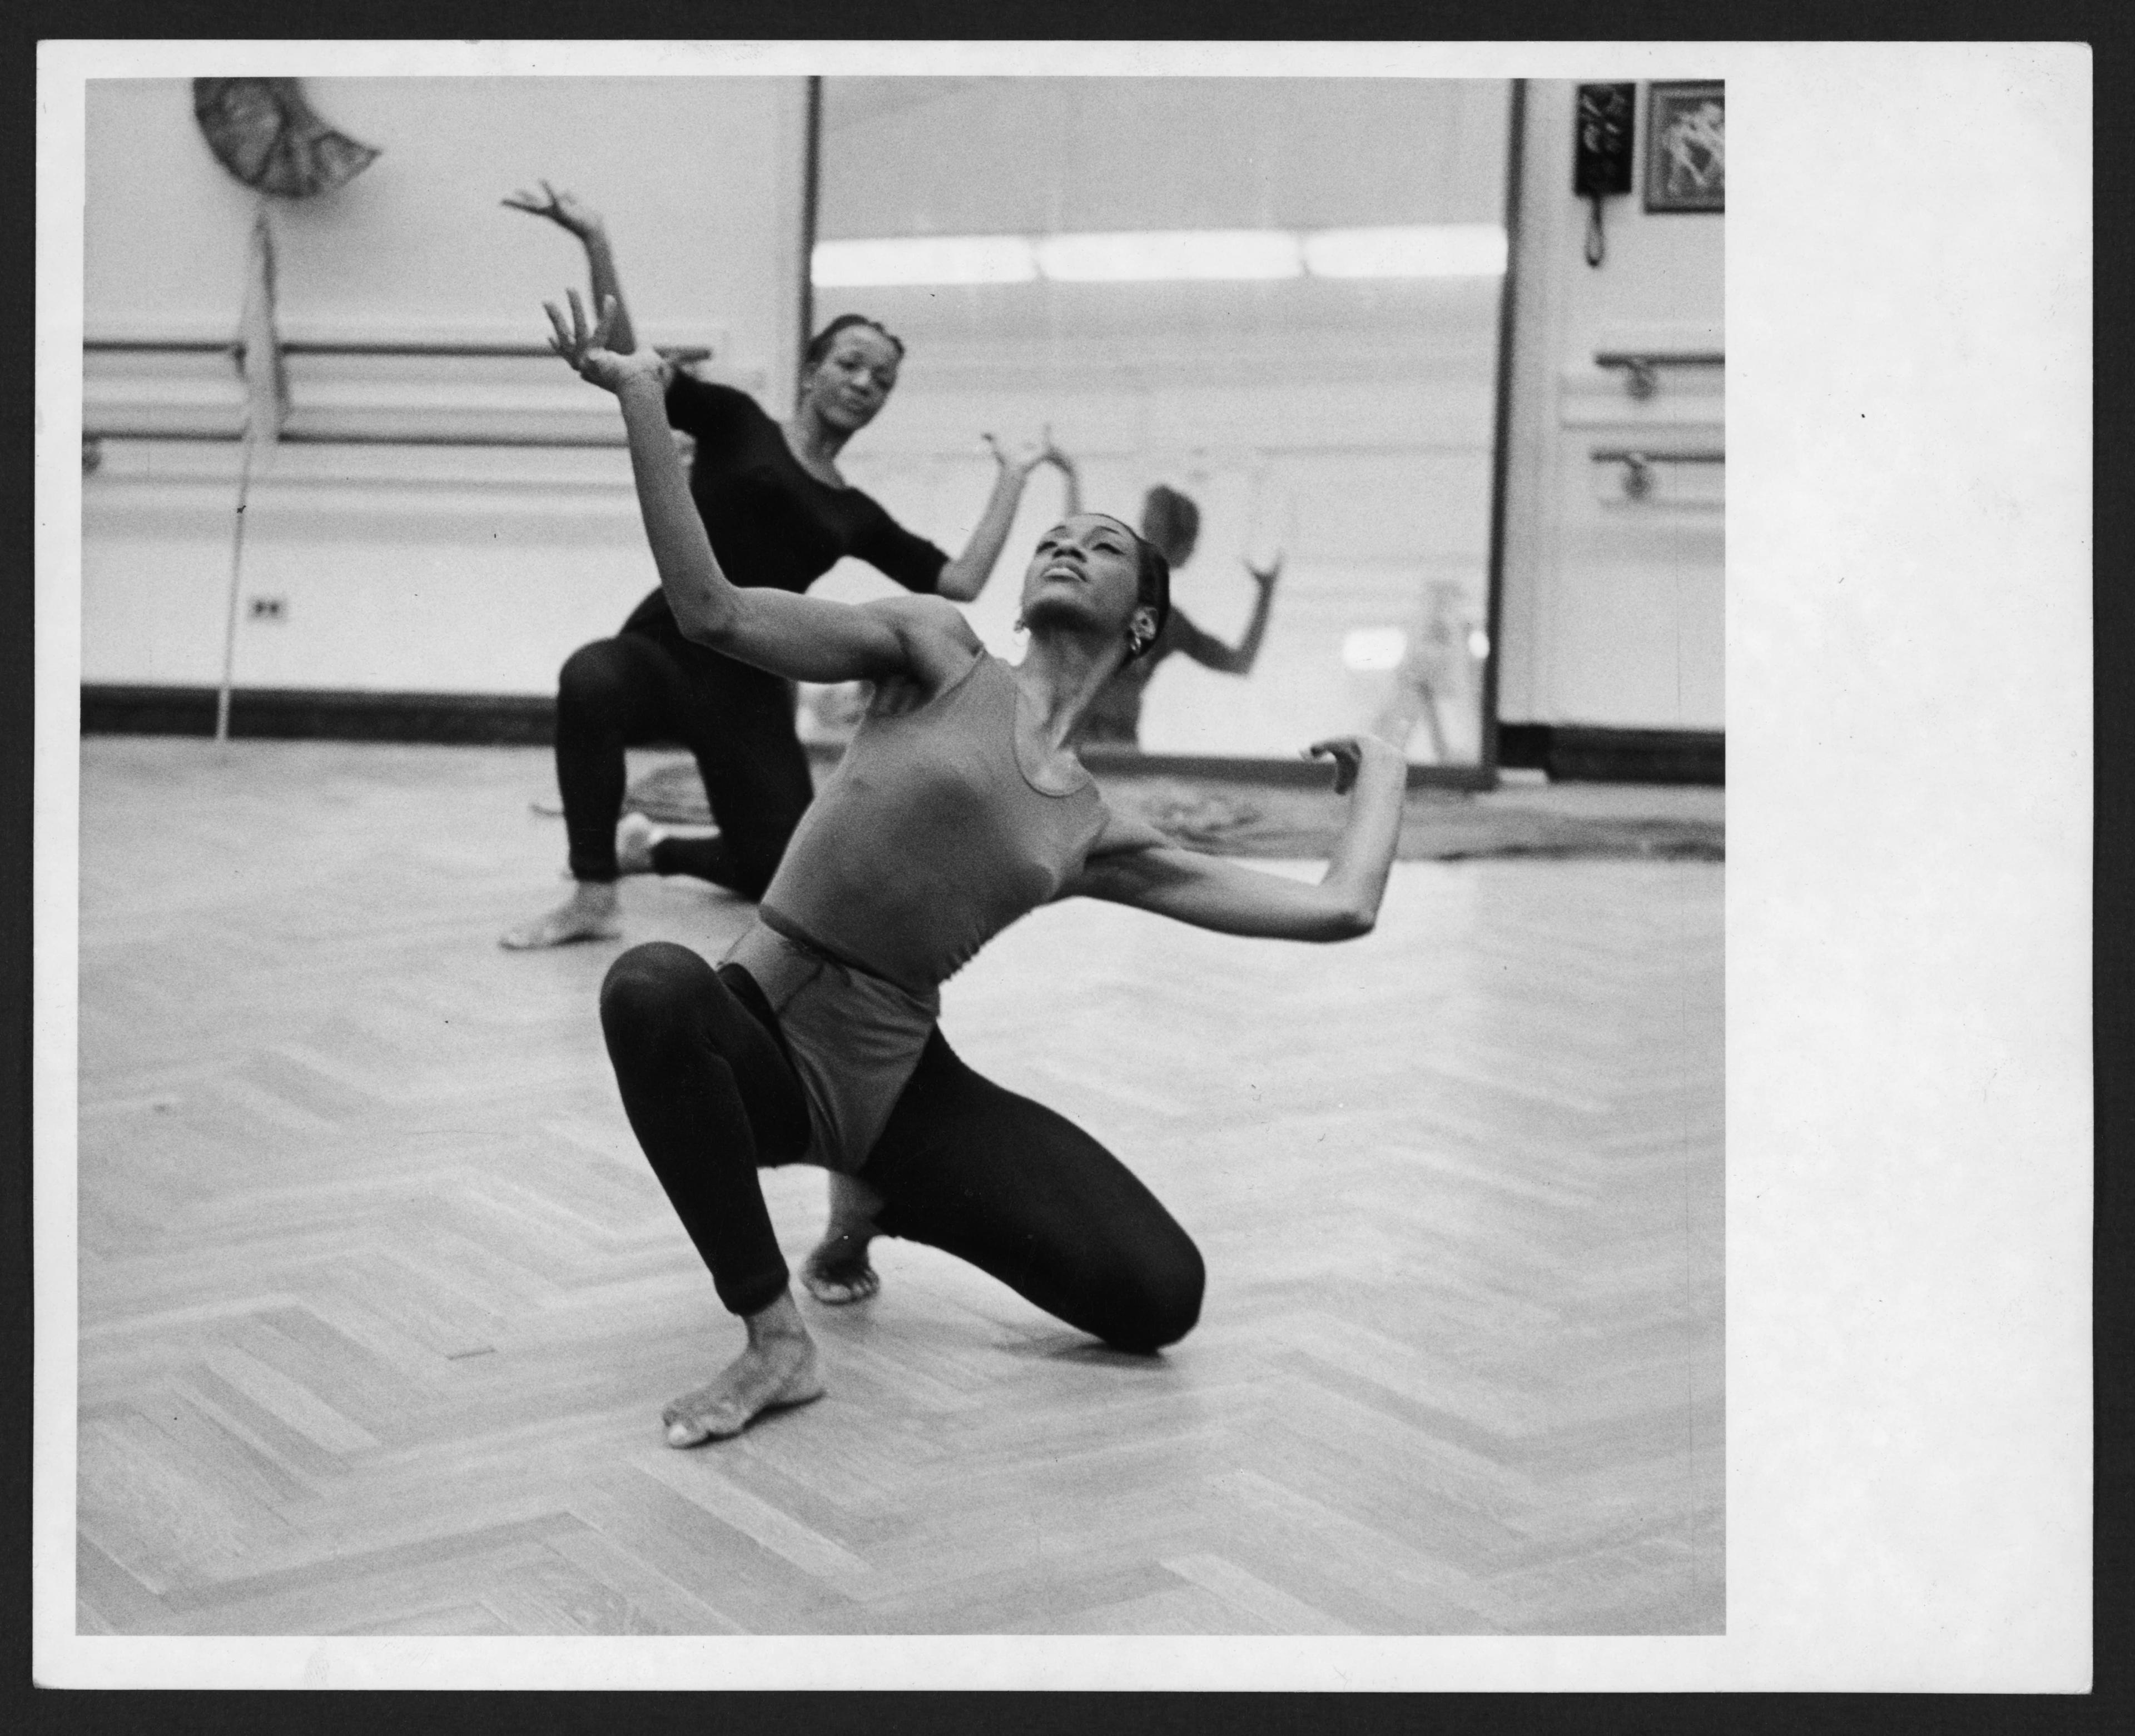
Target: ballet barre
{"x":1641,"y":376}
{"x":461,"y":349}
{"x":1639,"y":466}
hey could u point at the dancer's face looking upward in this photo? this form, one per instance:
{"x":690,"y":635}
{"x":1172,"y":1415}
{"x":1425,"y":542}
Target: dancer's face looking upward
{"x":858,"y":371}
{"x":1087,"y":572}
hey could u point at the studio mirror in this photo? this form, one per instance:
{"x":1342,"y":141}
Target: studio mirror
{"x":1275,"y":303}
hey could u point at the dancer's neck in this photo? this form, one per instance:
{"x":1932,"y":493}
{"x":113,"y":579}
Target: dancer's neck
{"x":1061,"y":676}
{"x":814,"y":443}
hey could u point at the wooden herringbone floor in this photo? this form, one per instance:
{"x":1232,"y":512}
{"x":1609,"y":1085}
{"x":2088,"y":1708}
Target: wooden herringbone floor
{"x":380,"y":1303}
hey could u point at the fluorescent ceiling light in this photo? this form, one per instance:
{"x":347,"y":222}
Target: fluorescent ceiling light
{"x":1152,"y":255}
{"x":1145,"y":256}
{"x":922,"y":259}
{"x":1423,"y":251}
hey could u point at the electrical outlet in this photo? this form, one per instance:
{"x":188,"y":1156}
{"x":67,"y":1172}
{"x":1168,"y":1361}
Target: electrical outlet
{"x":269,"y":608}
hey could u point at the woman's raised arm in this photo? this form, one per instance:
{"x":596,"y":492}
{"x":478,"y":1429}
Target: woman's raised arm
{"x":575,"y":217}
{"x":802,"y":638}
{"x":966,"y":576}
{"x":1145,"y":870}
{"x":1205,"y":648}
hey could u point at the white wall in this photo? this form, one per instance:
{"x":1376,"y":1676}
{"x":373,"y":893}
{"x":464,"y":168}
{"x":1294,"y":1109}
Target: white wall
{"x":454,"y":564}
{"x":1613,"y":608}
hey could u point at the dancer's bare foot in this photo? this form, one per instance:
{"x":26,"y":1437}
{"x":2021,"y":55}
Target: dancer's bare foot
{"x":591,"y":913}
{"x":838,"y":1270}
{"x":634,"y":836}
{"x":777,"y":1372}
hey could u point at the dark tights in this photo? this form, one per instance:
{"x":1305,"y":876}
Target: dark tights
{"x":964,"y":1166}
{"x":738,"y":721}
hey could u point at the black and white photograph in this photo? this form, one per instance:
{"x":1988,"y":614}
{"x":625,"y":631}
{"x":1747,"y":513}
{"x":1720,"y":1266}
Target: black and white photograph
{"x":879,"y":845}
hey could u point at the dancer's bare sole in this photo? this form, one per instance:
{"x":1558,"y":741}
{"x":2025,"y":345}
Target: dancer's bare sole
{"x":775,"y":1372}
{"x":593,"y":913}
{"x":838,"y":1271}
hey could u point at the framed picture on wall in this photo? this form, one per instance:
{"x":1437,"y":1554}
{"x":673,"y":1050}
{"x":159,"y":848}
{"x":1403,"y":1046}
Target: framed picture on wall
{"x":1686,"y":146}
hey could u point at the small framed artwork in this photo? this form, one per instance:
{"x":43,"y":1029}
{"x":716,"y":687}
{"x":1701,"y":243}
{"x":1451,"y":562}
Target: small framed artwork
{"x":1686,"y":146}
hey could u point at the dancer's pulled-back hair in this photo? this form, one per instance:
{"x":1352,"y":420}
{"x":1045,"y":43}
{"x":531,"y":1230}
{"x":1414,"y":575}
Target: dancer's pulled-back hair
{"x":1152,"y":581}
{"x":819,"y":345}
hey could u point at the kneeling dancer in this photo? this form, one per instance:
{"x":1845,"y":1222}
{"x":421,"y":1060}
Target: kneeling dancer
{"x":957,"y":808}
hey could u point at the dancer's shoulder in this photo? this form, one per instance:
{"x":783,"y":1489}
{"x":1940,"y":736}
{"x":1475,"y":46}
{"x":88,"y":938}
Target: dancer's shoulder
{"x":940,"y":646}
{"x":707,"y":409}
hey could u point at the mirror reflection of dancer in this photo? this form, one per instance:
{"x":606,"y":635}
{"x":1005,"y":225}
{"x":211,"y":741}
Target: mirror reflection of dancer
{"x":1434,"y":665}
{"x":781,"y":515}
{"x":1173,"y":523}
{"x":957,"y":808}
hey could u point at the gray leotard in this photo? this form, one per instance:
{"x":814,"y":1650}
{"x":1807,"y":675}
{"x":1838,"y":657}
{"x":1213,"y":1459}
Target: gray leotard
{"x":927,"y":841}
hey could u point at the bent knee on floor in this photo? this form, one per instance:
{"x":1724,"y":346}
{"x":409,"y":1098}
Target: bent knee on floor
{"x":1155,"y":1303}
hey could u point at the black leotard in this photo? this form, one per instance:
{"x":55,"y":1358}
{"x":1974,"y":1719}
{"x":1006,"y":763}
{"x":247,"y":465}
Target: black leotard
{"x":771,"y":522}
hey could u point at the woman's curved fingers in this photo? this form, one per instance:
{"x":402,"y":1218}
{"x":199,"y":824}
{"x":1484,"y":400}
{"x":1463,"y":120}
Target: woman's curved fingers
{"x":581,"y":332}
{"x":1347,"y":754}
{"x":563,"y":338}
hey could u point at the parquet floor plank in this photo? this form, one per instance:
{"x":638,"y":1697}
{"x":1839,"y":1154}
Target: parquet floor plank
{"x":380,"y":1302}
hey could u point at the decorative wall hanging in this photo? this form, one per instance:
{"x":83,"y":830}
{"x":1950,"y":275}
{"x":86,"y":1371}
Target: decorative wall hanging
{"x":267,"y":135}
{"x":1686,"y":147}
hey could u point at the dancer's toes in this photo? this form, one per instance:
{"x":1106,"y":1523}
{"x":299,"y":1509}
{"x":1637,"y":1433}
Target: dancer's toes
{"x":763,"y":1378}
{"x":841,"y":1275}
{"x":837,"y":1271}
{"x":590,"y":913}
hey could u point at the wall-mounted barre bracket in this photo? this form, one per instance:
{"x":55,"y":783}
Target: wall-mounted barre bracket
{"x":1641,"y":375}
{"x":1638,"y":466}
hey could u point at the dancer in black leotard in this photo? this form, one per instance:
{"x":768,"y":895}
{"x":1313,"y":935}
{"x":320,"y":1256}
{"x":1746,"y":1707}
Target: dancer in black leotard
{"x":780,"y":514}
{"x":957,"y":808}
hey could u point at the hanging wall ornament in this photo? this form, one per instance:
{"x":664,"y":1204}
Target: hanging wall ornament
{"x":264,"y":132}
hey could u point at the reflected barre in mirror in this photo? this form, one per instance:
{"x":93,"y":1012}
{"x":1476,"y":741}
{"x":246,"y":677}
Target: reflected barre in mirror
{"x":1259,"y":316}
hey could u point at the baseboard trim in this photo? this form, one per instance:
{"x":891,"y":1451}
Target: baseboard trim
{"x":289,"y":714}
{"x":1589,"y":753}
{"x":530,"y":720}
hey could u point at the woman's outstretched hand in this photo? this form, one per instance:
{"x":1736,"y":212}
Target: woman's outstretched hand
{"x":562,"y":209}
{"x":1049,"y":453}
{"x":1020,"y":460}
{"x":1352,"y":754}
{"x":1264,"y":576}
{"x":586,"y":348}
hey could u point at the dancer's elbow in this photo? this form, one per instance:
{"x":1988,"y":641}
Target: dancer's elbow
{"x":702,"y":620}
{"x":1344,"y":919}
{"x":1352,"y":922}
{"x":959,"y":583}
